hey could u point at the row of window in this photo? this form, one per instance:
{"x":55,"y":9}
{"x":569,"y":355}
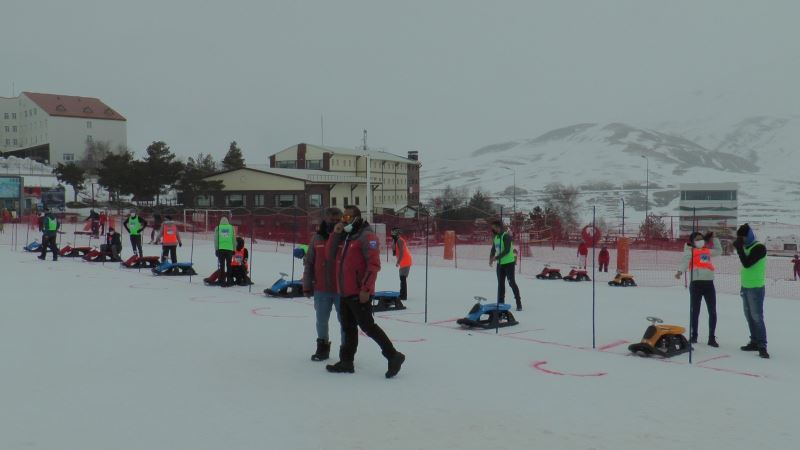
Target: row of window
{"x":11,"y":129}
{"x":30,"y":112}
{"x":240,"y":200}
{"x":708,"y":195}
{"x":9,"y":141}
{"x":313,"y":164}
{"x":8,"y":116}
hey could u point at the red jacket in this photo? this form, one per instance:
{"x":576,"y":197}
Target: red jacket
{"x":604,"y":257}
{"x":583,"y":250}
{"x":318,"y":275}
{"x":358,"y":260}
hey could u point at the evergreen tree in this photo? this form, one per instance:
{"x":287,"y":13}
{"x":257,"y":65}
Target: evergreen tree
{"x":115,"y":174}
{"x":234,"y":158}
{"x":191,"y":182}
{"x":94,"y":153}
{"x":160,"y":170}
{"x":72,"y":175}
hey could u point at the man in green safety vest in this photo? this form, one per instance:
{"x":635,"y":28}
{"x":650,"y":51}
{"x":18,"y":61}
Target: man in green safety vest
{"x":753,"y":256}
{"x":135,"y":224}
{"x":503,"y":253}
{"x":49,"y":226}
{"x":224,"y":246}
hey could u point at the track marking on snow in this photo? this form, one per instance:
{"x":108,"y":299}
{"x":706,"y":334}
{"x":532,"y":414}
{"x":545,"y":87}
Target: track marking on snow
{"x":603,"y":348}
{"x":520,"y":332}
{"x":259,"y":312}
{"x":211,"y":299}
{"x":712,"y":359}
{"x":538,"y":366}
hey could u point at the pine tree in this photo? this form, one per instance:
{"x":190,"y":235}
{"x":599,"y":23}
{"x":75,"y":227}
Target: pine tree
{"x":72,"y":175}
{"x":234,"y":158}
{"x":160,"y":170}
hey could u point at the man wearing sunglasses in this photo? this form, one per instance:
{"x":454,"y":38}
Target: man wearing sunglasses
{"x":354,"y":248}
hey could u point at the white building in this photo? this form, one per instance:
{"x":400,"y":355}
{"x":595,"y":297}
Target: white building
{"x":709,"y":206}
{"x":54,"y":128}
{"x":394,"y":179}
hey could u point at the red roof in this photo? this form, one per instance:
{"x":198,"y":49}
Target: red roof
{"x":71,"y":106}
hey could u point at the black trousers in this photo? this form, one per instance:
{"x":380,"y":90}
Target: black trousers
{"x":239,"y":276}
{"x":603,"y":267}
{"x":136,"y":244}
{"x":403,"y":287}
{"x":506,"y":271}
{"x":112,"y":251}
{"x":171,"y":251}
{"x":49,"y":243}
{"x":224,"y":258}
{"x":698,"y":290}
{"x":356,"y":314}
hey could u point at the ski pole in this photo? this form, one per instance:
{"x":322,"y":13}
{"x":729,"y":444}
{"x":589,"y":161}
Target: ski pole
{"x":250,"y":259}
{"x":594,"y":275}
{"x":427,"y":233}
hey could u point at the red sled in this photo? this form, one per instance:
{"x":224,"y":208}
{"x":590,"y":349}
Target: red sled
{"x":137,"y":262}
{"x":74,"y":252}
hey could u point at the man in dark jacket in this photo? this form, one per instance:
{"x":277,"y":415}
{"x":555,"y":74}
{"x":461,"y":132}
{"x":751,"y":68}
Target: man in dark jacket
{"x":49,"y":226}
{"x":603,"y":259}
{"x":503,"y":253}
{"x":753,"y":256}
{"x":113,"y":246}
{"x":319,"y":280}
{"x":356,"y":251}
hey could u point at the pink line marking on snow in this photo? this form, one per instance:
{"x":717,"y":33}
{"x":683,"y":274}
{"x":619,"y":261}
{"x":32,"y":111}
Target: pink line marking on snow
{"x":712,"y":359}
{"x":603,"y":348}
{"x":258,"y":312}
{"x":520,"y":332}
{"x":538,"y":366}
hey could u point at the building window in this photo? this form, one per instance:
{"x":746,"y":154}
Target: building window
{"x":259,"y":200}
{"x":88,"y":124}
{"x":285,"y":200}
{"x":315,"y":201}
{"x":35,"y":113}
{"x":235,"y":200}
{"x":8,"y":142}
{"x":69,"y":156}
{"x":89,"y":138}
{"x":13,"y":115}
{"x":14,"y":128}
{"x":345,"y":203}
{"x":708,"y":195}
{"x":314,"y":164}
{"x":15,"y":142}
{"x":358,"y":201}
{"x":8,"y":129}
{"x":5,"y":116}
{"x":286,"y":164}
{"x":204,"y":200}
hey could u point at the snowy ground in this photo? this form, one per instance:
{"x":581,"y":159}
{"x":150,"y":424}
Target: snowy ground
{"x":98,"y":357}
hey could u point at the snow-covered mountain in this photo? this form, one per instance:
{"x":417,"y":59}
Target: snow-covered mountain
{"x":609,"y":161}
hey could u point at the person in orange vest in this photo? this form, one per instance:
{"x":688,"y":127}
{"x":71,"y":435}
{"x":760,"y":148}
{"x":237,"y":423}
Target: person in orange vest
{"x":171,"y":239}
{"x":404,"y":262}
{"x":697,"y":258}
{"x":239,"y":266}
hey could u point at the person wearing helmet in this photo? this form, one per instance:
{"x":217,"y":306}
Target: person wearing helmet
{"x":403,"y":260}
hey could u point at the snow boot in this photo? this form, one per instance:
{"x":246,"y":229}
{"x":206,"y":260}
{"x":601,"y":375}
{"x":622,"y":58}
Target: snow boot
{"x":751,"y":347}
{"x":693,"y":340}
{"x":341,"y":367}
{"x":394,"y":364}
{"x":712,"y":341}
{"x":323,"y":350}
{"x":519,"y":304}
{"x":762,"y":352}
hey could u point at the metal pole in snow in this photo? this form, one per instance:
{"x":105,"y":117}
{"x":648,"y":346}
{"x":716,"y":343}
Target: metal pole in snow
{"x":294,"y":241}
{"x":191,"y":252}
{"x":691,"y":278}
{"x":594,"y":276}
{"x":427,"y":233}
{"x":250,"y":256}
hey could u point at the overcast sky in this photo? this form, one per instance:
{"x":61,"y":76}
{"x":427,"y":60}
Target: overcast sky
{"x":441,"y":77}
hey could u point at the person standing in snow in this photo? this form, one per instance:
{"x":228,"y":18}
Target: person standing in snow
{"x":49,"y":226}
{"x":319,"y":280}
{"x":697,"y":256}
{"x":135,"y":225}
{"x":404,"y":261}
{"x":504,"y":254}
{"x":583,"y":254}
{"x":753,"y":256}
{"x":224,"y":246}
{"x":603,"y":259}
{"x":796,"y":267}
{"x":355,"y":250}
{"x":170,"y":240}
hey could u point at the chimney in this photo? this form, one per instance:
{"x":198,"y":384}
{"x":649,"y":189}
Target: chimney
{"x":413,"y":155}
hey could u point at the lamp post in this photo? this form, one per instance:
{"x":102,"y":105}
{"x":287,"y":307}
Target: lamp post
{"x":646,"y":186}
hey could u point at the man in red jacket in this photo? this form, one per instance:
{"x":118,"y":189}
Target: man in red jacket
{"x":355,"y":249}
{"x":319,"y":279}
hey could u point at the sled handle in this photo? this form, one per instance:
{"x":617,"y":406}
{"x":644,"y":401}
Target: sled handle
{"x":654,"y":320}
{"x":283,"y":274}
{"x":479,"y":298}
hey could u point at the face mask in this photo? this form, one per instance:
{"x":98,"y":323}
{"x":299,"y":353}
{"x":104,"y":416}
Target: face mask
{"x":348,"y":228}
{"x":699,"y":243}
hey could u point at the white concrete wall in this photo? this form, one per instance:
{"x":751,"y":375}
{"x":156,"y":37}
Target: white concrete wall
{"x":9,"y":107}
{"x":67,"y":135}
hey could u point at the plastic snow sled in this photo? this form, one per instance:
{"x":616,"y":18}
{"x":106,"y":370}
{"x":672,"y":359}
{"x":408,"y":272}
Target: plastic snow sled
{"x":576,"y":274}
{"x":622,"y":279}
{"x":285,"y":288}
{"x":497,"y":315}
{"x":98,"y":256}
{"x":213,"y":280}
{"x":74,"y":252}
{"x":170,"y":268}
{"x":549,"y":273}
{"x":34,"y":246}
{"x":136,"y":262}
{"x":387,"y":301}
{"x":661,"y":340}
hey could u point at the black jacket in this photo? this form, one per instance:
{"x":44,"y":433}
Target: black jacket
{"x":113,"y":239}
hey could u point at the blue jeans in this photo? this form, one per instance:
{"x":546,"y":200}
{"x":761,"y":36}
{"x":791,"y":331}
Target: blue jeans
{"x":323,"y":301}
{"x":753,"y":301}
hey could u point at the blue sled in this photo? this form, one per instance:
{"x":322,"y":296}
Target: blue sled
{"x":387,"y":301}
{"x":34,"y":246}
{"x":285,"y":288}
{"x":497,"y":315}
{"x":168,"y":268}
